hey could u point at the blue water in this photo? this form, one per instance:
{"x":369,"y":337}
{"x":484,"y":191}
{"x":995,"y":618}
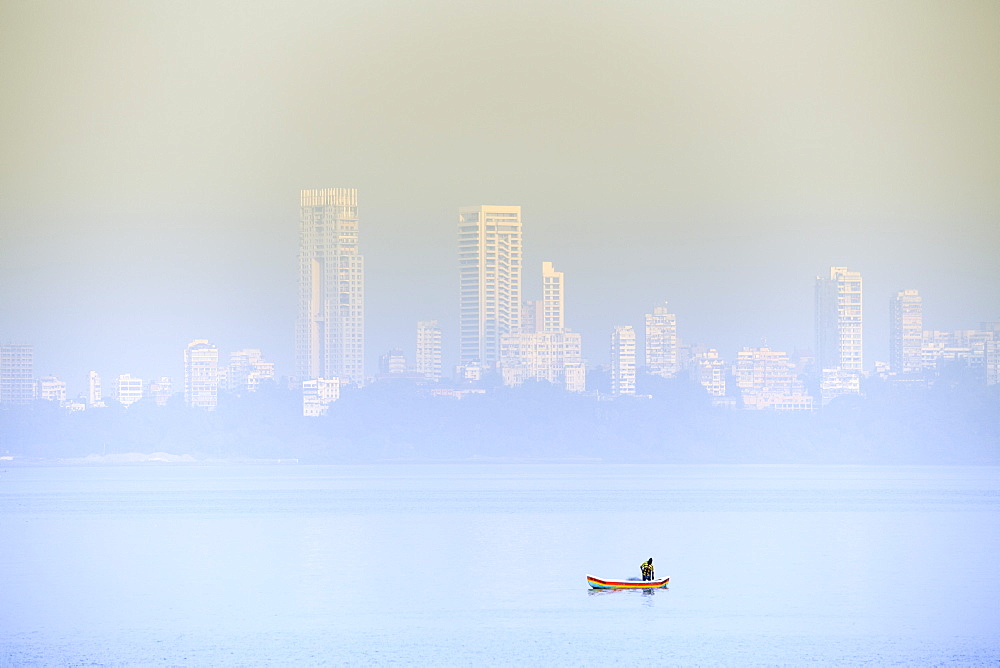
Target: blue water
{"x":486,"y":564}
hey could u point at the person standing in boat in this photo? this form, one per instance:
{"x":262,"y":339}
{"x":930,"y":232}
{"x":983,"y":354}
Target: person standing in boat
{"x":647,"y":569}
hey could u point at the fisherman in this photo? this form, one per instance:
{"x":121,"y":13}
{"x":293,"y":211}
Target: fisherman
{"x":647,"y":569}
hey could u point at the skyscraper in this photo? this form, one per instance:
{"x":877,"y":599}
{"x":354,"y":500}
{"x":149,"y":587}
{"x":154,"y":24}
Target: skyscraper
{"x":661,"y":342}
{"x":489,"y":258}
{"x":623,"y":360}
{"x":553,"y":311}
{"x":17,"y":374}
{"x":906,"y":320}
{"x":329,"y":331}
{"x":838,"y":321}
{"x":428,"y":362}
{"x":201,"y":374}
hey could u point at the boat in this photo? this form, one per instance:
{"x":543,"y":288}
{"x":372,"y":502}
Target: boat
{"x":598,"y":583}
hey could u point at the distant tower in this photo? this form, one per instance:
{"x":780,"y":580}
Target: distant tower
{"x":623,"y":360}
{"x":906,"y":320}
{"x":553,"y":310}
{"x":428,"y":362}
{"x":838,"y":321}
{"x":839,"y":332}
{"x":489,"y":258}
{"x":17,"y":374}
{"x":94,"y":397}
{"x":661,"y":342}
{"x":329,"y":332}
{"x":201,"y":374}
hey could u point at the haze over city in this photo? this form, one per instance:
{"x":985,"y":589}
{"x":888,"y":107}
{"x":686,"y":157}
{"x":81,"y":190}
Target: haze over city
{"x":716,"y":157}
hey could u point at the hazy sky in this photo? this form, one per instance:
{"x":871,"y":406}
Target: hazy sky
{"x":715,"y":155}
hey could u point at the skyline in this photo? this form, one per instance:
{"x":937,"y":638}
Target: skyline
{"x":714,"y":157}
{"x":821,"y":301}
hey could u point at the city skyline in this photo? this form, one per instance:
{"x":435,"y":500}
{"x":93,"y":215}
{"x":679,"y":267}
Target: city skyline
{"x":716,"y":157}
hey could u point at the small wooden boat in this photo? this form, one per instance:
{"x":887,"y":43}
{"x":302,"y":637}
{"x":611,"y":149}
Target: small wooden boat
{"x":598,"y":583}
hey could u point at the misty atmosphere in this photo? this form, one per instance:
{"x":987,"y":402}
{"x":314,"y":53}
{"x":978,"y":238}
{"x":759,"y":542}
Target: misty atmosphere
{"x":371,"y":333}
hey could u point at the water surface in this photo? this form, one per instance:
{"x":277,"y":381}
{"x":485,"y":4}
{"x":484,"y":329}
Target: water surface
{"x":238,"y":565}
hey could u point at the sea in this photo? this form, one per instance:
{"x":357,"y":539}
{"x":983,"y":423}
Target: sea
{"x":485,"y":563}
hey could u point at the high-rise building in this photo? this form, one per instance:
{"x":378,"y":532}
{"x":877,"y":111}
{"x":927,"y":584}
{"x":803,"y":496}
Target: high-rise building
{"x":329,"y":332}
{"x":94,"y":397}
{"x":428,"y":362}
{"x":553,"y":311}
{"x":127,"y":390}
{"x":17,"y":374}
{"x":623,"y":360}
{"x":489,"y":258}
{"x":906,"y":320}
{"x":201,"y":374}
{"x":839,"y":332}
{"x":661,"y":342}
{"x":766,"y":381}
{"x":838,"y":320}
{"x":544,"y":349}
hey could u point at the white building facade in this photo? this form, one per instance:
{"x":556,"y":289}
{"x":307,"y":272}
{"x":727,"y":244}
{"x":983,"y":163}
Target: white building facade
{"x":839,"y":332}
{"x":428,"y":358}
{"x":661,"y":343}
{"x":17,"y":374}
{"x":329,"y":331}
{"x":201,"y":374}
{"x":623,"y":360}
{"x":906,"y":322}
{"x":489,"y":258}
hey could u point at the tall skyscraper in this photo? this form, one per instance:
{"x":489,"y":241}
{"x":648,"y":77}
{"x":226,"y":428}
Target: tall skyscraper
{"x":906,"y":320}
{"x":623,"y":360}
{"x":329,"y":331}
{"x":17,"y":374}
{"x":428,"y":362}
{"x":839,"y":333}
{"x":661,"y":342}
{"x":201,"y":374}
{"x":489,"y":258}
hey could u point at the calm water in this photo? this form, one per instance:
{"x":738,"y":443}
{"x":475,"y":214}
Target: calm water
{"x":439,"y":564}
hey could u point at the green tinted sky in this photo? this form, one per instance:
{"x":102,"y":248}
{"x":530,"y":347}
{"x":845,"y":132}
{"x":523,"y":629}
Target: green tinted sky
{"x":715,"y":155}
